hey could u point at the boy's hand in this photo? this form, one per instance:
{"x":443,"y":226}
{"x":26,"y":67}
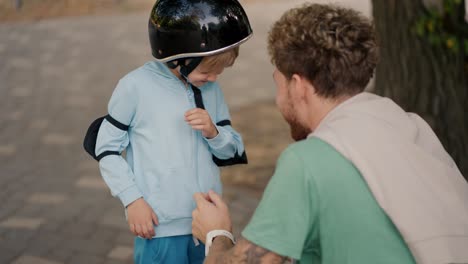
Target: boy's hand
{"x":199,"y":119}
{"x":141,"y":218}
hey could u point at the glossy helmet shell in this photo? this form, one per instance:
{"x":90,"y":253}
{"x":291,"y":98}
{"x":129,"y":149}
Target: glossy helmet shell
{"x":196,"y":28}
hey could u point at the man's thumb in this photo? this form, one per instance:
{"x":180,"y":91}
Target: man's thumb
{"x":215,"y":198}
{"x":199,"y":198}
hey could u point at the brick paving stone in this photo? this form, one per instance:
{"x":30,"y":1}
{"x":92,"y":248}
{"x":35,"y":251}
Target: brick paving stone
{"x":26,"y":223}
{"x":63,"y":213}
{"x":7,"y":255}
{"x":18,"y":196}
{"x":39,"y":124}
{"x":41,"y":250}
{"x":61,"y":254}
{"x":57,"y":139}
{"x":20,"y":63}
{"x":92,"y":183}
{"x":2,"y":231}
{"x":114,"y":220}
{"x":47,"y":198}
{"x":84,"y":246}
{"x":125,"y":238}
{"x":18,"y":238}
{"x":104,"y":235}
{"x":54,"y":225}
{"x":7,"y":150}
{"x":14,"y":115}
{"x":88,"y":164}
{"x":121,"y":253}
{"x":43,"y":243}
{"x":79,"y":101}
{"x":96,"y":198}
{"x":32,"y":211}
{"x":91,"y":215}
{"x":34,"y":260}
{"x":114,"y":261}
{"x":21,"y":92}
{"x":77,"y":230}
{"x":6,"y":210}
{"x":88,"y":259}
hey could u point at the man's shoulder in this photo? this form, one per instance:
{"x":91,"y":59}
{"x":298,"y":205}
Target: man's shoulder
{"x":317,"y":155}
{"x":313,"y":147}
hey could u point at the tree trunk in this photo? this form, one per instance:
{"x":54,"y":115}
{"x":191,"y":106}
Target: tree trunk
{"x":430,"y":81}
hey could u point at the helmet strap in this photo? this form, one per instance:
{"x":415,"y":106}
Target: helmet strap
{"x":185,"y":70}
{"x":172,"y":64}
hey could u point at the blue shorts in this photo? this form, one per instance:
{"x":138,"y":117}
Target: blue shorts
{"x":170,"y":250}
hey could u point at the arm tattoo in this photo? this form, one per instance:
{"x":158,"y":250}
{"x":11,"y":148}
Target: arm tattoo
{"x":243,"y":252}
{"x":256,"y":254}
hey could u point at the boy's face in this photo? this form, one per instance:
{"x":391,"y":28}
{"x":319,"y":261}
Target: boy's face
{"x":201,"y":75}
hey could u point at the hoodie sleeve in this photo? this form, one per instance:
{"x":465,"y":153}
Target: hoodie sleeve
{"x":227,"y":147}
{"x":113,"y":139}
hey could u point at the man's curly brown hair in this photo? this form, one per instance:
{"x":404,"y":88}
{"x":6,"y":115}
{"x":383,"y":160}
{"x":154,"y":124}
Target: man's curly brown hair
{"x":333,"y":47}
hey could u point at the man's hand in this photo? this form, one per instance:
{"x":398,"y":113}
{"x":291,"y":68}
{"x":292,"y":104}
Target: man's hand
{"x":199,"y":119}
{"x":141,"y":218}
{"x":211,"y":214}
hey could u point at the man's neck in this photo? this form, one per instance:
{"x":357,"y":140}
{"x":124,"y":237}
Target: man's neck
{"x":321,"y":107}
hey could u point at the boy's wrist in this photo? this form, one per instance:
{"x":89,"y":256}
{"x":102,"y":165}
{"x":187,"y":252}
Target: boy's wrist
{"x":128,"y":205}
{"x":218,"y":141}
{"x":213,"y":134}
{"x":129,"y":195}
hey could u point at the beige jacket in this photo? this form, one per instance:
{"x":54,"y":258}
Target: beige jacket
{"x":410,"y":174}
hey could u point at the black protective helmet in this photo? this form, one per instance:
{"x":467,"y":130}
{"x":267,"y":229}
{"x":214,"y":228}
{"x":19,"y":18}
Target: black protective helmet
{"x":181,"y":29}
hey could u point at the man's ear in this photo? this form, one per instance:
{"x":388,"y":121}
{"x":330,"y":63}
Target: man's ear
{"x":299,"y":86}
{"x":303,"y":87}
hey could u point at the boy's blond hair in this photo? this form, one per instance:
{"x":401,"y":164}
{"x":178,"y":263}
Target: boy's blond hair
{"x":222,"y":60}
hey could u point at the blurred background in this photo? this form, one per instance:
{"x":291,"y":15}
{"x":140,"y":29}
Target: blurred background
{"x":61,"y":59}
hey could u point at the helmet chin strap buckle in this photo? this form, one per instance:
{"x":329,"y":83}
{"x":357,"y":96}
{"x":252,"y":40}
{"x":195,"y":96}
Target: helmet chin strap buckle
{"x":172,"y":64}
{"x":185,"y":69}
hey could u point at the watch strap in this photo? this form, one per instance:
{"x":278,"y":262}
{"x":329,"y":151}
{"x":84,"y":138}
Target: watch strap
{"x":214,"y":233}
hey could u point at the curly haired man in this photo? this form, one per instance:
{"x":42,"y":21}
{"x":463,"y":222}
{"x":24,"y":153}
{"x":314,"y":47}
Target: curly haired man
{"x":366,"y":182}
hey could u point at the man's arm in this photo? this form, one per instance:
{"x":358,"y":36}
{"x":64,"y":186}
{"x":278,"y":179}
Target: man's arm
{"x":223,"y":251}
{"x":212,"y":214}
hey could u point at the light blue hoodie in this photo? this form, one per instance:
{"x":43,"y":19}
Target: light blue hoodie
{"x":166,"y":160}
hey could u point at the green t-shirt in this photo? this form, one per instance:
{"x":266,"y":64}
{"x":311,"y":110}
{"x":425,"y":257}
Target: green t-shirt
{"x":317,"y":208}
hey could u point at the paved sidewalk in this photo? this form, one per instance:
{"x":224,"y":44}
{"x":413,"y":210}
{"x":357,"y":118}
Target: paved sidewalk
{"x":55,"y":78}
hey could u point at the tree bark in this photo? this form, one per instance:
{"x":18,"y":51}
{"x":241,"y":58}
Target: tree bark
{"x":430,"y":81}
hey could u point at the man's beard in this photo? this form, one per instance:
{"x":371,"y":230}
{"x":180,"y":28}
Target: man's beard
{"x":298,"y":131}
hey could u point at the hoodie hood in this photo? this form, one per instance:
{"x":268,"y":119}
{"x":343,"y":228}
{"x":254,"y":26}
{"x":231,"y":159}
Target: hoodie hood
{"x":379,"y":118}
{"x":160,"y":69}
{"x":411,"y":176}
